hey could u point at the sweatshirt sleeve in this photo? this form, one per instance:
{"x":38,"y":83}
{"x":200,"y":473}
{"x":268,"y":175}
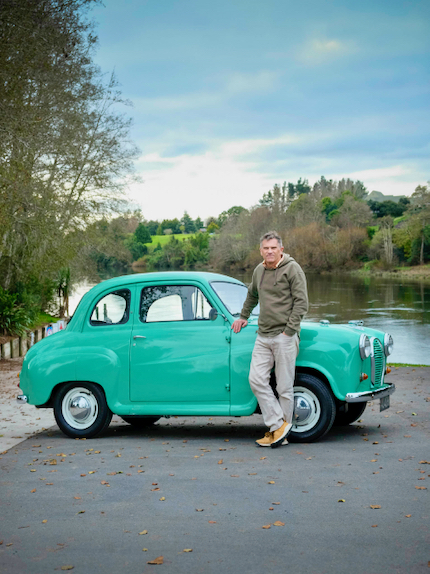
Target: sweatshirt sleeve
{"x":251,"y":300}
{"x":299,"y":293}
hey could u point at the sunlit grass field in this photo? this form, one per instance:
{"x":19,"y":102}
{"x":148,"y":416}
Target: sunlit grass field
{"x":163,"y":239}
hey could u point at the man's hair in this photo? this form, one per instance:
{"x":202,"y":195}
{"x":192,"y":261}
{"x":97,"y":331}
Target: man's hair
{"x":271,"y":235}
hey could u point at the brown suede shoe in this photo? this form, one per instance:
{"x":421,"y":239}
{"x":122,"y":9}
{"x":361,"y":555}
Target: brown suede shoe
{"x":266,"y":440}
{"x":280,"y":434}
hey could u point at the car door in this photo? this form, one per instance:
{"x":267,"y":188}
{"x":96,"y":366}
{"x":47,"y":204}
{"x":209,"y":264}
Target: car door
{"x":179,"y":355}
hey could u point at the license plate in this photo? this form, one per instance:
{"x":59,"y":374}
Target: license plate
{"x":384,"y":403}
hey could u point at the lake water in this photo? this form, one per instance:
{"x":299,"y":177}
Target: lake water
{"x":397,"y":306}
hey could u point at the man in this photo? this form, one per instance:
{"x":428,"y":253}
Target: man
{"x":279,"y":285}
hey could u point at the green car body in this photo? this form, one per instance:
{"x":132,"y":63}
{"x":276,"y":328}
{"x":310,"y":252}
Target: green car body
{"x":171,"y":351}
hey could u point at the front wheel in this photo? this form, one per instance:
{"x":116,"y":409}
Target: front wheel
{"x":81,"y":410}
{"x":314,"y":409}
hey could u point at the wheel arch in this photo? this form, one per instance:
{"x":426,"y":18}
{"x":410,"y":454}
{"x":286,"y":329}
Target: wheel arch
{"x":50,"y":402}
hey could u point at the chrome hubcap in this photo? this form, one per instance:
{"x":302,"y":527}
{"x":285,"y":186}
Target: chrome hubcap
{"x":307,"y":410}
{"x":302,"y":409}
{"x":80,"y":408}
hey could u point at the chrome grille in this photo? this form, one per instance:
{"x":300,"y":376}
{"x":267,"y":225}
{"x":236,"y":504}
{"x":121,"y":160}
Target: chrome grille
{"x":377,"y":360}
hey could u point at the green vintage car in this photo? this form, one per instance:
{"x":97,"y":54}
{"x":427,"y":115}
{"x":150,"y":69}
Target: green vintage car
{"x":160,"y":344}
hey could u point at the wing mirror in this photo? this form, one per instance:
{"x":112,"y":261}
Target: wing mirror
{"x":213,"y":314}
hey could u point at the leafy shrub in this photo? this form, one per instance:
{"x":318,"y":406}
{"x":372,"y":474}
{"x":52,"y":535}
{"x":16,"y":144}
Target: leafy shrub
{"x":15,"y":317}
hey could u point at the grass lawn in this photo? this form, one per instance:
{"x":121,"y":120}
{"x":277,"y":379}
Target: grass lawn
{"x":163,"y":239}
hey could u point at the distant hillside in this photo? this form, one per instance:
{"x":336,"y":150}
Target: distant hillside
{"x":379,"y":196}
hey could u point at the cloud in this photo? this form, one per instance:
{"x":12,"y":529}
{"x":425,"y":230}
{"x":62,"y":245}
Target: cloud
{"x":319,"y":51}
{"x":229,"y":86}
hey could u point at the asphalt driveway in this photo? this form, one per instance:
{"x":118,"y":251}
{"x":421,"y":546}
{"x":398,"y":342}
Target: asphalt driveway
{"x":201,"y":495}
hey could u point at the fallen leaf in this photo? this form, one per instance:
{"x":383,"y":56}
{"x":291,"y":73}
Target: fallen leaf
{"x":143,"y":532}
{"x":158,"y":560}
{"x":199,"y":509}
{"x":252,"y":473}
{"x":226,"y":440}
{"x":375,"y":506}
{"x":414,"y":414}
{"x":33,"y":470}
{"x":81,"y":512}
{"x":376,"y":442}
{"x":234,"y":475}
{"x":271,"y":482}
{"x":34,"y":490}
{"x":263,"y":457}
{"x":421,"y":487}
{"x":408,"y":515}
{"x":144,"y":549}
{"x":53,"y":461}
{"x":83,"y":475}
{"x":44,"y":521}
{"x":91,"y":472}
{"x":220,"y":461}
{"x":424,"y":462}
{"x":104,"y":482}
{"x":266,"y":526}
{"x":67,"y":567}
{"x":77,"y":497}
{"x":187,"y":550}
{"x":212,"y":521}
{"x":279,"y":523}
{"x":277,"y":503}
{"x":407,"y":436}
{"x":341,"y":500}
{"x":374,"y":460}
{"x":163,"y":498}
{"x":271,"y":508}
{"x":154,"y":489}
{"x":49,"y":483}
{"x":374,"y":526}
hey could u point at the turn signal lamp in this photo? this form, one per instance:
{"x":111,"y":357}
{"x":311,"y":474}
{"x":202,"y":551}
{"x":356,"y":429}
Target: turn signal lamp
{"x":363,"y":377}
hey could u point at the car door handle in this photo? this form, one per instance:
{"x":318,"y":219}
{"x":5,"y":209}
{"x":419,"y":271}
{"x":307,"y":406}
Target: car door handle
{"x":139,"y":337}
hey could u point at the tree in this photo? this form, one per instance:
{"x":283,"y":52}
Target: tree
{"x":198,"y":224}
{"x":188,"y":223}
{"x":387,"y":208}
{"x":142,"y":234}
{"x":233,"y":212}
{"x":152,"y":226}
{"x":64,"y":149}
{"x":420,"y":219}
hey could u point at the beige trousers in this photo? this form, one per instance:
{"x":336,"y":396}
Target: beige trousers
{"x":280,"y":351}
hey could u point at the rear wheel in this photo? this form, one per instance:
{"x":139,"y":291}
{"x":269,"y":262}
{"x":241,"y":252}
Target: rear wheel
{"x":140,"y":422}
{"x":81,"y":410}
{"x":314,"y":409}
{"x":354,"y":412}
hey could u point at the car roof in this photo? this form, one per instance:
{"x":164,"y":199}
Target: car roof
{"x":134,"y":278}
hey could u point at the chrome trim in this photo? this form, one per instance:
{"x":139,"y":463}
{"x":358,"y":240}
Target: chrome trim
{"x":324,"y":322}
{"x":22,"y":399}
{"x":370,"y":395}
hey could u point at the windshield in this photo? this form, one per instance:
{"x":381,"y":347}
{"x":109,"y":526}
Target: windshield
{"x":233,"y":296}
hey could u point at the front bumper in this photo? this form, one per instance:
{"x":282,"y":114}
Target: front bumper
{"x":370,"y":395}
{"x":21,"y":399}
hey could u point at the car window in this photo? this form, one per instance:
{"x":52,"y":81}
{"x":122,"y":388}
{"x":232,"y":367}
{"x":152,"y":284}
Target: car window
{"x":173,"y":303}
{"x":112,"y":309}
{"x":233,"y":296}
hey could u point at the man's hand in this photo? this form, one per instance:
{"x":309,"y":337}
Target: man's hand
{"x":238,"y":324}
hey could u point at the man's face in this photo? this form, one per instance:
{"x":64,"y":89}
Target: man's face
{"x":271,"y":252}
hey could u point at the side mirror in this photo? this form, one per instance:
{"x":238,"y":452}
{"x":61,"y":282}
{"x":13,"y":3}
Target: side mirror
{"x":213,"y":314}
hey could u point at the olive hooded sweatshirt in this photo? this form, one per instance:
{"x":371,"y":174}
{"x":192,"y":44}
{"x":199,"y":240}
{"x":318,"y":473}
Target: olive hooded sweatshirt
{"x":283,"y":297}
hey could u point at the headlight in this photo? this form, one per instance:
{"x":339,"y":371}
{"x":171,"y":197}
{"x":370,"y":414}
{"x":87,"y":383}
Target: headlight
{"x":364,"y":346}
{"x":388,"y":344}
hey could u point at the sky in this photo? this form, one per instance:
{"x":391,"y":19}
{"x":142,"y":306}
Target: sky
{"x":233,"y":96}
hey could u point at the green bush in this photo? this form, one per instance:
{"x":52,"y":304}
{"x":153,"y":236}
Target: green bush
{"x":15,"y":317}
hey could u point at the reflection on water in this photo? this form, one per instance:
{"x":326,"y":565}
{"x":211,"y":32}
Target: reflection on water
{"x":402,"y":308}
{"x":399,"y":307}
